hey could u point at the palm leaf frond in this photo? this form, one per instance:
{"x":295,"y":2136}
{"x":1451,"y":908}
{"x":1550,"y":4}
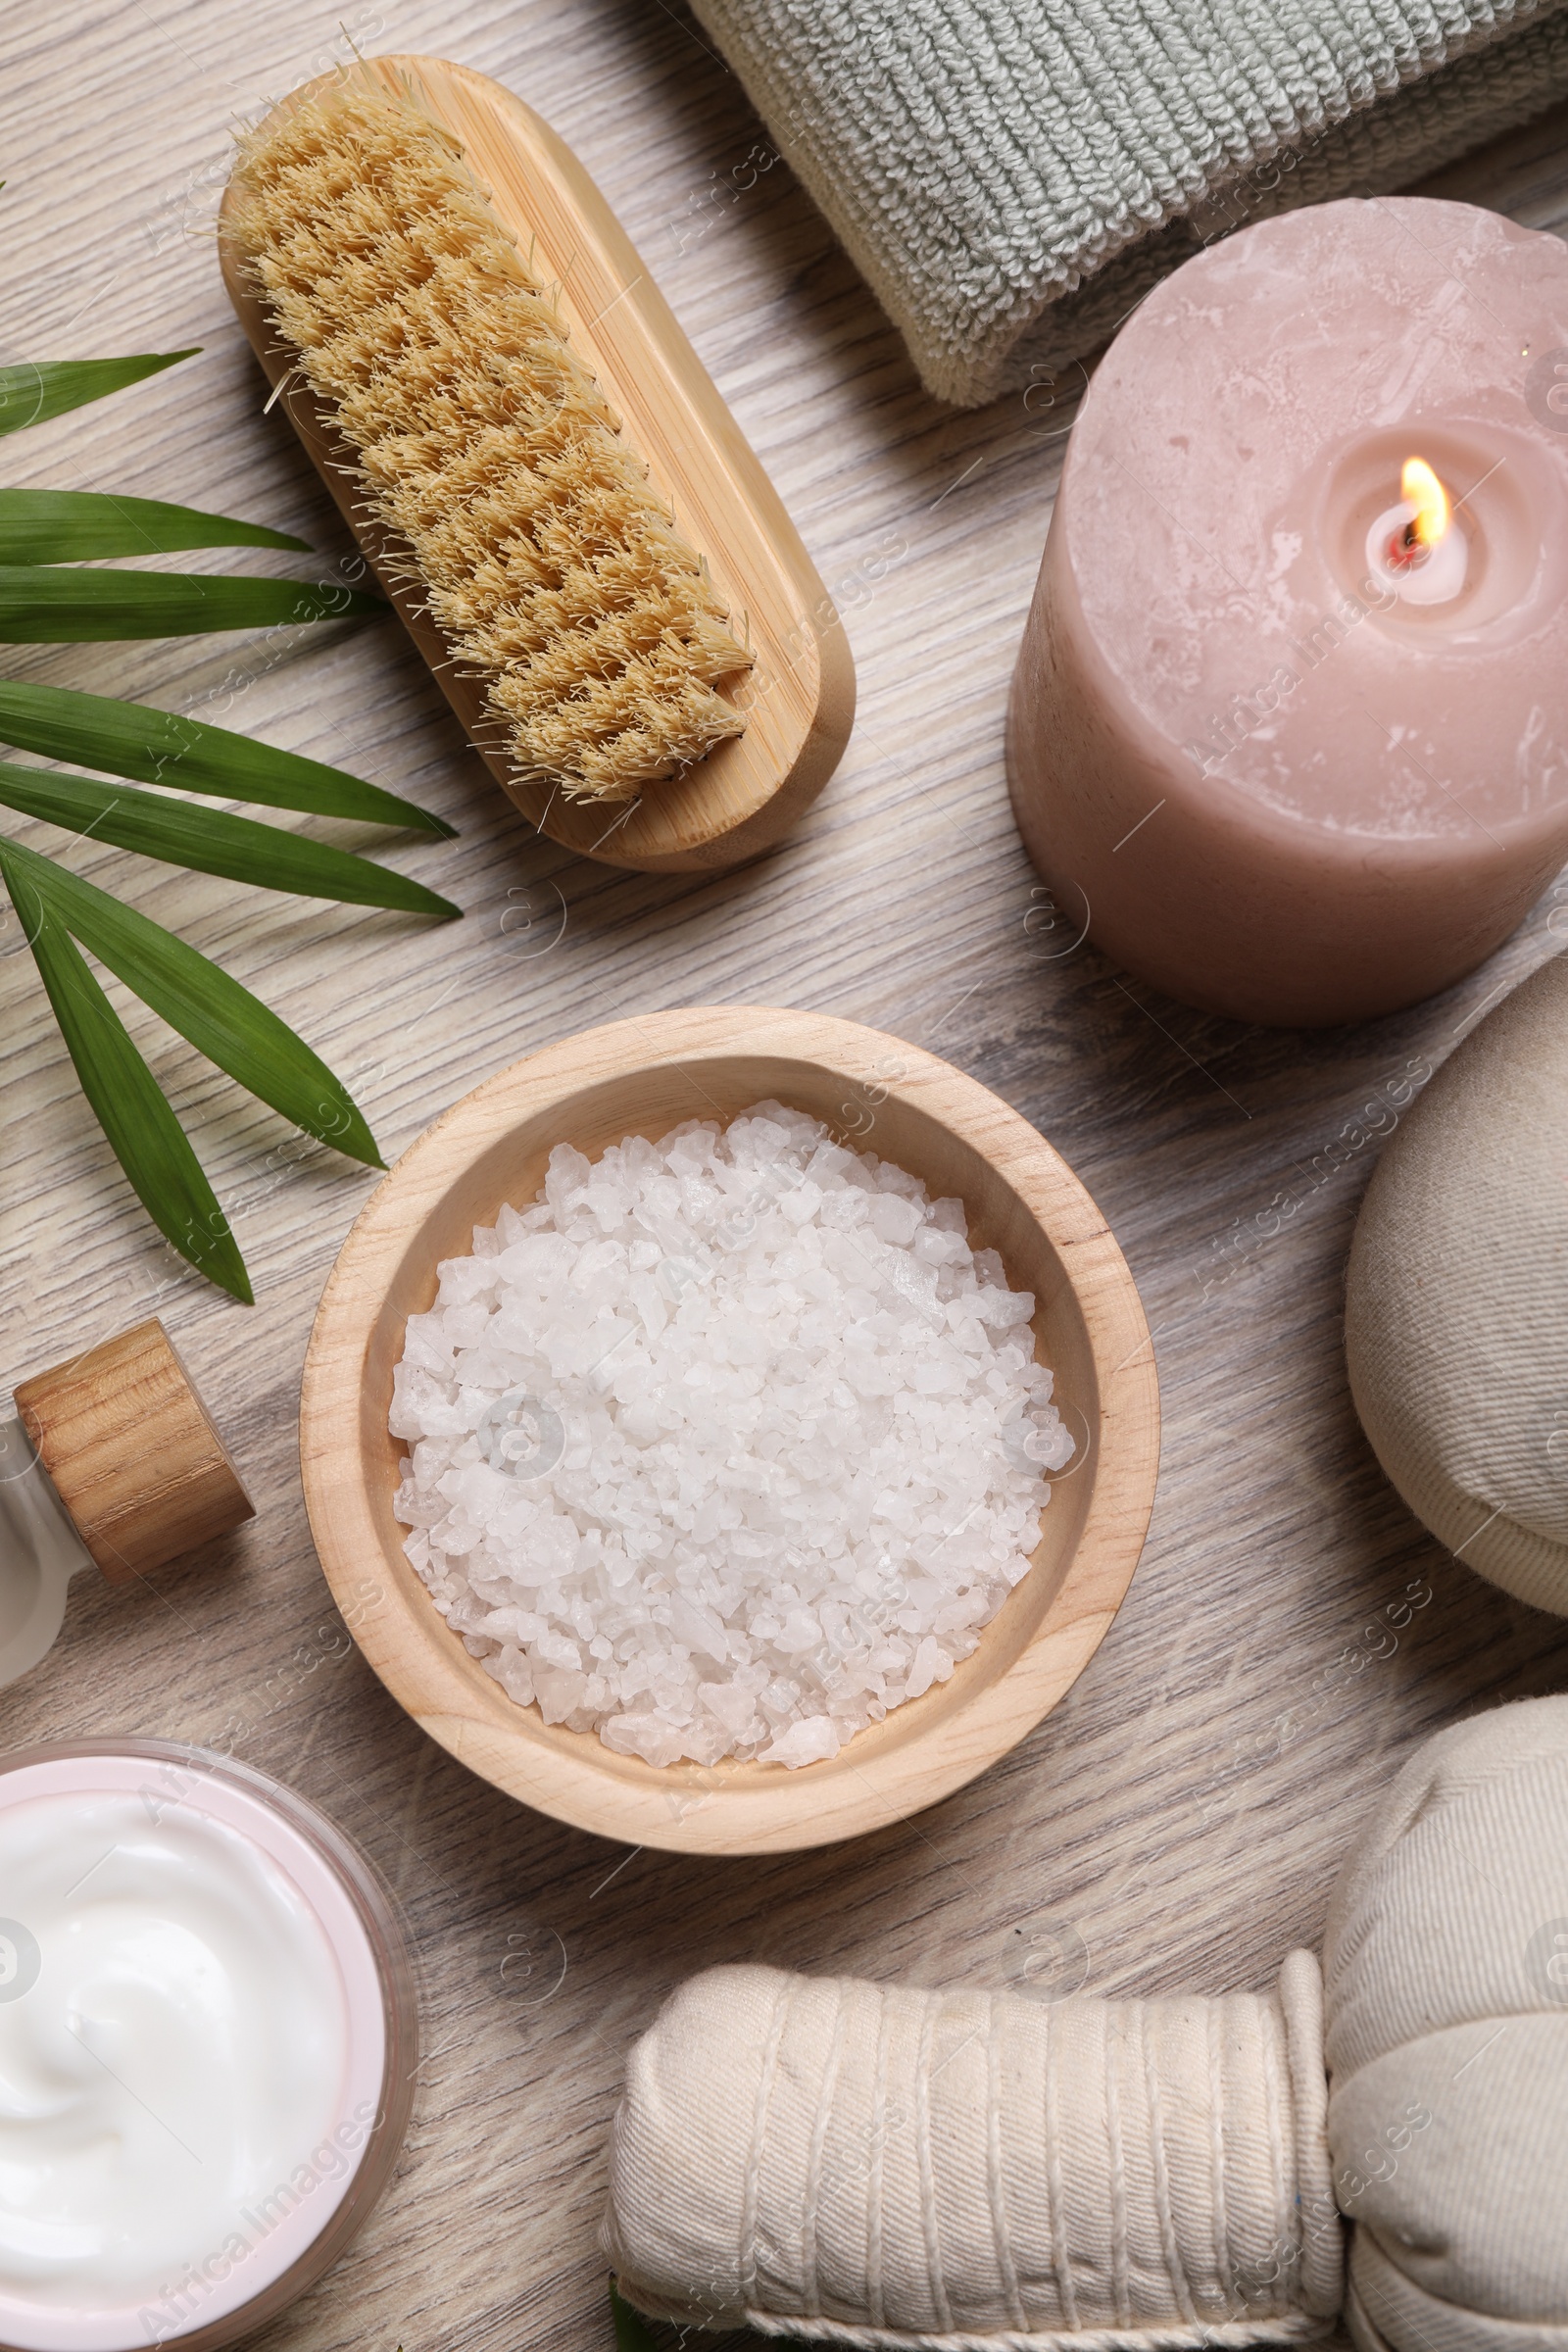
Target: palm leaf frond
{"x":75,"y":527}
{"x":40,"y":606}
{"x":210,"y":841}
{"x":51,"y":593}
{"x":210,"y":1012}
{"x":161,"y":747}
{"x":143,"y":1132}
{"x":37,"y":389}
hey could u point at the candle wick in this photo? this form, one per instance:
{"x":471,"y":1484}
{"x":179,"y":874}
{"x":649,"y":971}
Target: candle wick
{"x":1406,"y":549}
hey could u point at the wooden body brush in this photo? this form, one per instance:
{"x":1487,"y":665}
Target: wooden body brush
{"x":534,"y":460}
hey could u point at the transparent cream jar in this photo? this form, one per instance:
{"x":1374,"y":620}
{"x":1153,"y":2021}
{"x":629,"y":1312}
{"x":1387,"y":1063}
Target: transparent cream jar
{"x":208,"y":2037}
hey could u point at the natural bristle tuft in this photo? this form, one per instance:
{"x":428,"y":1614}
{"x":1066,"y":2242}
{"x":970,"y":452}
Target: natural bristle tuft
{"x":549,"y":562}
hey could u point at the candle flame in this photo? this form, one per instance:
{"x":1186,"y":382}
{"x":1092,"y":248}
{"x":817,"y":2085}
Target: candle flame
{"x":1420,"y":488}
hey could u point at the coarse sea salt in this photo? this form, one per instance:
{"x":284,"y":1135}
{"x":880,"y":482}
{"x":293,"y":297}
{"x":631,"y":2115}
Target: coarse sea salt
{"x":726,"y":1445}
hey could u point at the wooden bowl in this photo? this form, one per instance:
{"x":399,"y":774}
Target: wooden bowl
{"x":645,"y":1076}
{"x":799,"y":697}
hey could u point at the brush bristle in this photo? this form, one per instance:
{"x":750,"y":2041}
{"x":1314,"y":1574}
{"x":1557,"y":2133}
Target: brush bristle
{"x":546,"y":560}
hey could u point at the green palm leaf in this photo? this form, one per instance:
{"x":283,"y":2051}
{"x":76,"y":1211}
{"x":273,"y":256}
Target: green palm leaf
{"x":210,"y":1012}
{"x":143,"y":1133}
{"x":43,"y":388}
{"x":160,"y":746}
{"x":49,"y":594}
{"x":71,"y":526}
{"x":39,"y":607}
{"x":210,"y":841}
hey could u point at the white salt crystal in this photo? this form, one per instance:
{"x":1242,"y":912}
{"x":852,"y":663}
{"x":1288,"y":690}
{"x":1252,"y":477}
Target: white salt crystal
{"x":724,"y":1445}
{"x":811,"y":1740}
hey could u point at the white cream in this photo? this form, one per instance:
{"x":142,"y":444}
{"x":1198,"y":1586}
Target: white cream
{"x":189,"y":2062}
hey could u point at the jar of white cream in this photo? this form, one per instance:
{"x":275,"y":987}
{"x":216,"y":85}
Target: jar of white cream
{"x":208,"y":2033}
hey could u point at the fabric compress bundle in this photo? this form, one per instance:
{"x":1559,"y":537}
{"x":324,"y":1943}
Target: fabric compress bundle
{"x":1384,"y":2133}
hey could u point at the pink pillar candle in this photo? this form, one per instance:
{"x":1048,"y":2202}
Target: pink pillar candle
{"x":1281,"y":754}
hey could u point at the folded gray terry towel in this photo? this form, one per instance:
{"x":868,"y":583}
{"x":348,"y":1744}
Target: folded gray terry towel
{"x":1012,"y":176}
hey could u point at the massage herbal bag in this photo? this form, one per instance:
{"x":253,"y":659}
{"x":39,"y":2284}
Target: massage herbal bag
{"x":1384,"y":2134}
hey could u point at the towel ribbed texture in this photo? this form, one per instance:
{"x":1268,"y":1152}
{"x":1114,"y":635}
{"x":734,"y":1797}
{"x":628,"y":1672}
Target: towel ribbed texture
{"x":1012,"y":175}
{"x":1456,"y":1313}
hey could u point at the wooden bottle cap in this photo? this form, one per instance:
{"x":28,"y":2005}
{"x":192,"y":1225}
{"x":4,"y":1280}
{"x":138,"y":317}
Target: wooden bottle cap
{"x":132,"y":1453}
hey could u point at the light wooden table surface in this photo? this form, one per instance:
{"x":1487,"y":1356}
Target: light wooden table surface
{"x":1290,"y":1632}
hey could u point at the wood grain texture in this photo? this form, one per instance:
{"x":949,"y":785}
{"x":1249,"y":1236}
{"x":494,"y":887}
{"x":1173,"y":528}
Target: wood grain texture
{"x":799,"y":697}
{"x":1290,"y":1632}
{"x":643,"y":1077}
{"x":132,"y":1453}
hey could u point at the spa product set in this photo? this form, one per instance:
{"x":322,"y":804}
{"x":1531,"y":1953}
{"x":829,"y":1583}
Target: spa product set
{"x":747,"y":1418}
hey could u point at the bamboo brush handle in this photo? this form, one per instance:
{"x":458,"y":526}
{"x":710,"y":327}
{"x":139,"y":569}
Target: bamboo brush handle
{"x":799,"y":700}
{"x":132,"y":1453}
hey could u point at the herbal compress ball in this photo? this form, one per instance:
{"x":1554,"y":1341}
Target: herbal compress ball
{"x":1454,"y":1328}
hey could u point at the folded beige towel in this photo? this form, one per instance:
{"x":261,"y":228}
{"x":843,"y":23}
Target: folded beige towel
{"x":1012,"y":175}
{"x":976,"y":2172}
